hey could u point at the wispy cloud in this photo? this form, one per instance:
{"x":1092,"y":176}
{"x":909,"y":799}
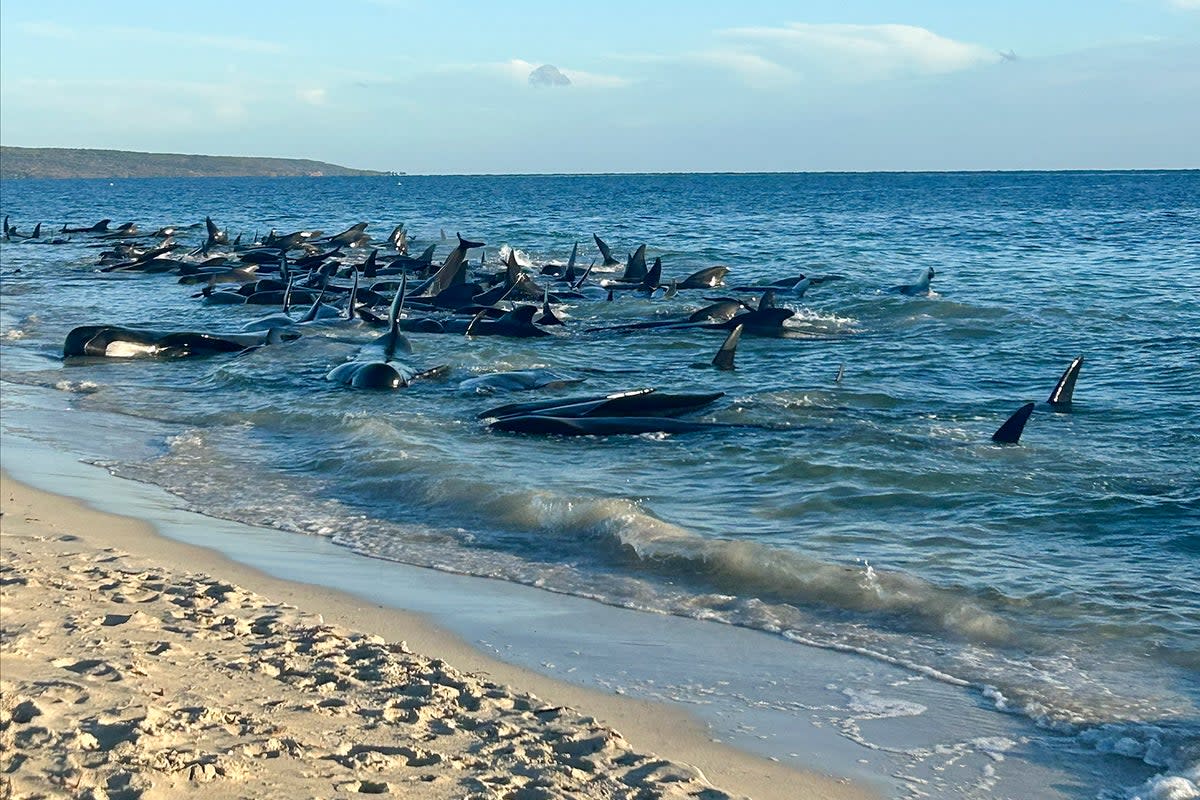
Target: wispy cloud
{"x":1186,"y":5}
{"x":313,"y":96}
{"x":237,"y":44}
{"x":109,"y":103}
{"x":849,"y":52}
{"x":751,"y":68}
{"x":143,"y":35}
{"x":47,"y":30}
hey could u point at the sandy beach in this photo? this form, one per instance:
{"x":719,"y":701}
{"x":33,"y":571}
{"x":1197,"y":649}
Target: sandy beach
{"x":136,"y":666}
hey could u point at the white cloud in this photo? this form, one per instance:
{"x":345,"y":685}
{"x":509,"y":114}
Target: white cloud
{"x":593,"y":80}
{"x":750,"y":67}
{"x":851,"y":52}
{"x":314,"y":97}
{"x":1186,"y":5}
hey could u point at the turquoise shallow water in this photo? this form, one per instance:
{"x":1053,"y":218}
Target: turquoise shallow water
{"x":1059,"y":579}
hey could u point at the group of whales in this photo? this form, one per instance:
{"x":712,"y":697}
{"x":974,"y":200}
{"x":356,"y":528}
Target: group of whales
{"x":308,"y":267}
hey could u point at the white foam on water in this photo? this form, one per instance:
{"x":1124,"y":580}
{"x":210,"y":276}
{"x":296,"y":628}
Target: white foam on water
{"x":1182,"y":786}
{"x":875,"y":706}
{"x":77,"y":387}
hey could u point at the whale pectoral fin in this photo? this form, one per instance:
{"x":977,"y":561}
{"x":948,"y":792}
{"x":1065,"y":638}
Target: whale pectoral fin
{"x":587,"y":272}
{"x":1064,"y":390}
{"x":368,"y":317}
{"x":1010,"y":431}
{"x":440,"y":371}
{"x":475,"y":321}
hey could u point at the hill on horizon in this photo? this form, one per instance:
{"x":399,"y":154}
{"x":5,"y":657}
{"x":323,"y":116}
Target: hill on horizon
{"x":58,"y":162}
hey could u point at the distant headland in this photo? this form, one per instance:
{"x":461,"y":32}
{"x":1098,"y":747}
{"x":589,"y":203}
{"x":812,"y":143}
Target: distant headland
{"x":56,"y":162}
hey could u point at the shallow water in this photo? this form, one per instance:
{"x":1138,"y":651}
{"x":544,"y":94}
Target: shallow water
{"x":1060,"y":578}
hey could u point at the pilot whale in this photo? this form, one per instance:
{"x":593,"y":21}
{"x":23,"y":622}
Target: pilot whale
{"x":918,"y":287}
{"x":376,"y":366}
{"x":117,"y":341}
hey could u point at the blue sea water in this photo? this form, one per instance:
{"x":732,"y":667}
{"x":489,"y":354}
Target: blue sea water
{"x":1059,"y":579}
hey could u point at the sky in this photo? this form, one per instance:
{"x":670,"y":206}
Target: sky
{"x":616,"y":86}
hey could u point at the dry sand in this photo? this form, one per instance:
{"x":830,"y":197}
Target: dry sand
{"x":128,"y":670}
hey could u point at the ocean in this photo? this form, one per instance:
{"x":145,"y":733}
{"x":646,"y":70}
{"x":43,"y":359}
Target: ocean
{"x":860,"y":505}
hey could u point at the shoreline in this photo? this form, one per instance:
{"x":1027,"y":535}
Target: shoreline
{"x":670,"y":733}
{"x":857,"y":723}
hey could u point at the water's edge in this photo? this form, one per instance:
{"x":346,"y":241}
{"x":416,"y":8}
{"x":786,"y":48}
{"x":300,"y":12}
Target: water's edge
{"x":812,"y":708}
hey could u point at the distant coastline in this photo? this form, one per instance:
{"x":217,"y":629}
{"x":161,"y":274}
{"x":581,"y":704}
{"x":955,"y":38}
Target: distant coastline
{"x":56,"y":162}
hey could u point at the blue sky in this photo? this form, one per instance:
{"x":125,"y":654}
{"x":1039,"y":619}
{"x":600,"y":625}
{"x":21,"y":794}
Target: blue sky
{"x":491,"y":87}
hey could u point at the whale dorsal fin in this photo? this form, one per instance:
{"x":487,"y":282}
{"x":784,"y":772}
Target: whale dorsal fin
{"x":353,"y":297}
{"x":1010,"y":431}
{"x":724,"y":357}
{"x":398,"y":303}
{"x":547,"y":317}
{"x":316,"y":306}
{"x":653,"y":277}
{"x":635,"y":267}
{"x":569,"y":272}
{"x":512,"y":272}
{"x":395,"y":338}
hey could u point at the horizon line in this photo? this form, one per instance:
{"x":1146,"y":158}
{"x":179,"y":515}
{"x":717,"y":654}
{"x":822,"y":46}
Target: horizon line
{"x":398,"y":174}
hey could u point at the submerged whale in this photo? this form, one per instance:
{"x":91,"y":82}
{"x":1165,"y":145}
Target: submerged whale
{"x":99,"y":227}
{"x":517,"y":381}
{"x":601,"y":426}
{"x":621,"y":413}
{"x":646,"y":402}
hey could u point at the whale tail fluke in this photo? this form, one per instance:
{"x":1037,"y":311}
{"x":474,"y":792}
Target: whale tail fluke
{"x":602,"y":246}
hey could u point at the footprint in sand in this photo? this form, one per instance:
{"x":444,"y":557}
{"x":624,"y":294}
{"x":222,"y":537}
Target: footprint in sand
{"x":93,"y":668}
{"x":366,"y":787}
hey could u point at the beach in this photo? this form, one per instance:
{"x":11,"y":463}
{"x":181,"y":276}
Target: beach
{"x":137,"y":666}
